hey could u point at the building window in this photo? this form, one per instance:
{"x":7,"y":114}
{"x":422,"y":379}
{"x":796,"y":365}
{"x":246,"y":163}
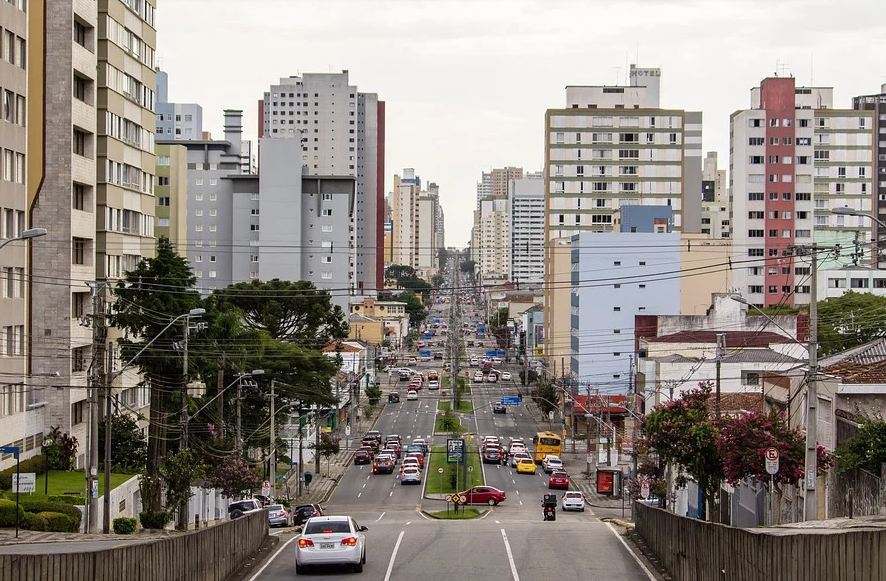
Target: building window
{"x":78,"y":251}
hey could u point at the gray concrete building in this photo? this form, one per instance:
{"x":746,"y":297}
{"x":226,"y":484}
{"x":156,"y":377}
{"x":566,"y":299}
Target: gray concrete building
{"x":309,"y":109}
{"x":526,"y":209}
{"x":176,"y":121}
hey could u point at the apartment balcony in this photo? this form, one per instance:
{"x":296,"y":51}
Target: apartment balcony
{"x":83,"y":61}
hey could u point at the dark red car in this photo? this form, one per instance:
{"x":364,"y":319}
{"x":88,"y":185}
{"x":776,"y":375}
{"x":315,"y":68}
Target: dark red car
{"x":363,"y":456}
{"x":484,"y":495}
{"x":559,"y":479}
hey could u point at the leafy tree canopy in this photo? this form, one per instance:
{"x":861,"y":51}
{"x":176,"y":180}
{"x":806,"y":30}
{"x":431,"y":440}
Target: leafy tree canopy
{"x":291,"y":311}
{"x":414,"y":308}
{"x":468,"y":266}
{"x":129,"y":449}
{"x":850,"y":320}
{"x":866,"y":449}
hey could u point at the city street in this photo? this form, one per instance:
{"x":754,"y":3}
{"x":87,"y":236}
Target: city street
{"x":509,"y":543}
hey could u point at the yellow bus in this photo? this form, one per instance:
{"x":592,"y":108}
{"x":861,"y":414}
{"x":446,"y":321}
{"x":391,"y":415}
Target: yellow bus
{"x":547,"y":443}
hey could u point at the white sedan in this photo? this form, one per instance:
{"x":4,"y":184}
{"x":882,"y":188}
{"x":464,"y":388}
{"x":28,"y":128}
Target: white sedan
{"x":330,"y":540}
{"x":574,"y":500}
{"x":505,"y":375}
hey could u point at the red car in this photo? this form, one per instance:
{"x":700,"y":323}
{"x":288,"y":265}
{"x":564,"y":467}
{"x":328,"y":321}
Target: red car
{"x":484,"y":495}
{"x":559,"y":479}
{"x":418,"y":456}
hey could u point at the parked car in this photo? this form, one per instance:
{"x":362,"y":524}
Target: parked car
{"x":484,"y":495}
{"x":241,"y":507}
{"x":574,"y":500}
{"x":499,"y":409}
{"x":331,"y":540}
{"x":277,"y":516}
{"x":558,"y":479}
{"x":551,"y":464}
{"x":264,"y":500}
{"x":303,"y":512}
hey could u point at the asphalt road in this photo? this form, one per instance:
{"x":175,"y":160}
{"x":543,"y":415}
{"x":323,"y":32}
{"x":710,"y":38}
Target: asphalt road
{"x":511,"y":542}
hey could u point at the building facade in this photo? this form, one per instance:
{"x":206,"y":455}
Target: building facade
{"x":602,"y":320}
{"x":526,"y":211}
{"x":171,"y":192}
{"x":715,"y":199}
{"x":495,"y":239}
{"x":876,"y":104}
{"x":794,"y":158}
{"x":308,"y":109}
{"x":557,"y":307}
{"x":404,"y":219}
{"x":615,"y":146}
{"x":176,"y":121}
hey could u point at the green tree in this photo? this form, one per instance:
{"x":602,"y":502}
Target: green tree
{"x":437,"y":281}
{"x":546,"y":397}
{"x":328,"y":447}
{"x":178,"y":473}
{"x":866,"y":449}
{"x":414,"y":308}
{"x":129,"y":450}
{"x":147,"y":299}
{"x":850,"y":320}
{"x":291,"y":311}
{"x":682,"y":433}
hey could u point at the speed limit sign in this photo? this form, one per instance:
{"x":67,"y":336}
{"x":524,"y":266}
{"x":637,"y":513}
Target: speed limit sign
{"x":439,"y":471}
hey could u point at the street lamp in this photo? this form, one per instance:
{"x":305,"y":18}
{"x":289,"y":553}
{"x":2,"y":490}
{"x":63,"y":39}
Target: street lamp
{"x":26,"y":235}
{"x":811,"y":474}
{"x":847,"y":211}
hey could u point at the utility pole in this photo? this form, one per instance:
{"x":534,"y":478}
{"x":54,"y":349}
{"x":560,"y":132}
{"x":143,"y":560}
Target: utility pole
{"x":96,"y":386}
{"x":811,"y":503}
{"x":301,"y":447}
{"x":220,"y":387}
{"x":240,"y":416}
{"x":272,"y":464}
{"x":106,"y":516}
{"x":721,"y":348}
{"x":183,"y":516}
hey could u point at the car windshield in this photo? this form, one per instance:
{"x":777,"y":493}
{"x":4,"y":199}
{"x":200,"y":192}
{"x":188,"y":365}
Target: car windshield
{"x":324,"y":527}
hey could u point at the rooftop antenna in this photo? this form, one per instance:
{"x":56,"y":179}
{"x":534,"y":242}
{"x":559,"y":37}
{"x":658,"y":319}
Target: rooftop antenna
{"x":617,"y":75}
{"x":811,"y":69}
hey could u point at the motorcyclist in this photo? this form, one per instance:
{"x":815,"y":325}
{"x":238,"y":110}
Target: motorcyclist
{"x":549,"y":507}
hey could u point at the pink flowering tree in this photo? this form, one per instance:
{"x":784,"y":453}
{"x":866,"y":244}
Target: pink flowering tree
{"x":233,"y":477}
{"x":682,"y":433}
{"x":743,"y":442}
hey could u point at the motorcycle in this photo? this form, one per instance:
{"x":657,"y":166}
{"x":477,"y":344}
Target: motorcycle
{"x":549,"y":507}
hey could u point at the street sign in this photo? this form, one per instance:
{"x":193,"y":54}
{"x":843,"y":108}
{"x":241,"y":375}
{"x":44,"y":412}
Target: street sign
{"x":347,"y":430}
{"x":511,"y":400}
{"x":470,"y":468}
{"x":24,"y":482}
{"x":439,"y":471}
{"x":550,"y":415}
{"x":463,"y":499}
{"x":644,"y":488}
{"x":455,"y":450}
{"x":771,"y":455}
{"x":9,"y":450}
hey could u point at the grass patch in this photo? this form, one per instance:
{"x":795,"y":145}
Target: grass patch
{"x":441,"y":427}
{"x":62,"y":481}
{"x":464,"y":406}
{"x":463,"y":513}
{"x":443,"y":483}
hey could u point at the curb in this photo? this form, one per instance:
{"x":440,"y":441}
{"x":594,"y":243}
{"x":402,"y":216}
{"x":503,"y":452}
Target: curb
{"x":483,"y":514}
{"x":617,"y":521}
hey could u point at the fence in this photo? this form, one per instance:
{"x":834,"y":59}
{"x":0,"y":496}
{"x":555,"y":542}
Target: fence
{"x":206,"y":555}
{"x":692,"y":550}
{"x":856,"y":492}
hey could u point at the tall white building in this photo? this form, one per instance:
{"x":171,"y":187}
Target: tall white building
{"x":526,"y":207}
{"x":404,"y":218}
{"x":341,"y":132}
{"x":715,"y":200}
{"x":494,"y":251}
{"x":614,"y":146}
{"x":794,"y":158}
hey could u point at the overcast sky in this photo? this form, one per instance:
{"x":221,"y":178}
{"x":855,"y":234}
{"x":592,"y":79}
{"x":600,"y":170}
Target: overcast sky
{"x":467,"y":83}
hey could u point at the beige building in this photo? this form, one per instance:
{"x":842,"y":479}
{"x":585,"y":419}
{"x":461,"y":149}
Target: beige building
{"x":171,"y":193}
{"x":404,"y":219}
{"x":557,"y":307}
{"x":366,"y":329}
{"x":705,"y":262}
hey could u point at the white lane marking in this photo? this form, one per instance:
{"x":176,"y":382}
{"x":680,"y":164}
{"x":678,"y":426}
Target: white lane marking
{"x":274,"y":556}
{"x":393,"y":556}
{"x":628,"y":549}
{"x":409,"y":522}
{"x":381,"y":517}
{"x":504,"y":537}
{"x":359,"y":494}
{"x":364,"y":485}
{"x":521,"y":503}
{"x":392,"y":493}
{"x":421,"y":514}
{"x":517,"y":491}
{"x":368,"y":477}
{"x":497,"y":522}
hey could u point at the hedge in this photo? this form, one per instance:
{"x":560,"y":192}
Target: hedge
{"x":34,"y":464}
{"x":37,"y":506}
{"x":59,"y":523}
{"x":67,"y":499}
{"x":154,"y":520}
{"x":34,"y":522}
{"x":124,"y":525}
{"x":7,"y":513}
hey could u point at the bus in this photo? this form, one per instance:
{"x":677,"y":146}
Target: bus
{"x":547,"y":443}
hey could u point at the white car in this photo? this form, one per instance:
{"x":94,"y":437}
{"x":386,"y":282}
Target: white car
{"x":330,"y":540}
{"x":497,"y":360}
{"x":411,"y":395}
{"x":551,"y":463}
{"x":517,"y":448}
{"x":491,"y":378}
{"x":478,"y":377}
{"x":474,"y":361}
{"x":433,"y":384}
{"x":505,"y":375}
{"x":410,"y":475}
{"x":411,"y":462}
{"x":574,"y":501}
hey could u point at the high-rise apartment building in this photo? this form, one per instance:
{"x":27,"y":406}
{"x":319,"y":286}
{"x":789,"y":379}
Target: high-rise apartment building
{"x":310,"y":108}
{"x":876,"y":104}
{"x":19,"y":425}
{"x":404,"y":218}
{"x":615,"y":146}
{"x":492,"y":184}
{"x":176,"y":120}
{"x":715,"y":199}
{"x":171,"y":193}
{"x":495,"y":239}
{"x":794,"y":158}
{"x":526,"y":209}
{"x":62,"y":197}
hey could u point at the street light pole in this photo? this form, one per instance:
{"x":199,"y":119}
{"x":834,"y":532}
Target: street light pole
{"x":272,"y":464}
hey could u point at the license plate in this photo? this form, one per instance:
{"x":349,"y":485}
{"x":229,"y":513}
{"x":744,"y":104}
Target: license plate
{"x":327,"y":545}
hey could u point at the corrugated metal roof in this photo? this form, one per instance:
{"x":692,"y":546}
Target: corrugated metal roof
{"x":758,"y":356}
{"x":872,"y":352}
{"x":860,"y":365}
{"x":734,"y":339}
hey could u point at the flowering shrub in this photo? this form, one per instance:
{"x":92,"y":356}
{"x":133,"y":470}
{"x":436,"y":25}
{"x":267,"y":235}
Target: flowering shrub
{"x":232,"y":477}
{"x":743,"y":442}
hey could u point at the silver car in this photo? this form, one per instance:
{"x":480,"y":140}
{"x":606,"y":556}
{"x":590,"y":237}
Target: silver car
{"x":410,"y":475}
{"x":331,"y":540}
{"x":277,"y":516}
